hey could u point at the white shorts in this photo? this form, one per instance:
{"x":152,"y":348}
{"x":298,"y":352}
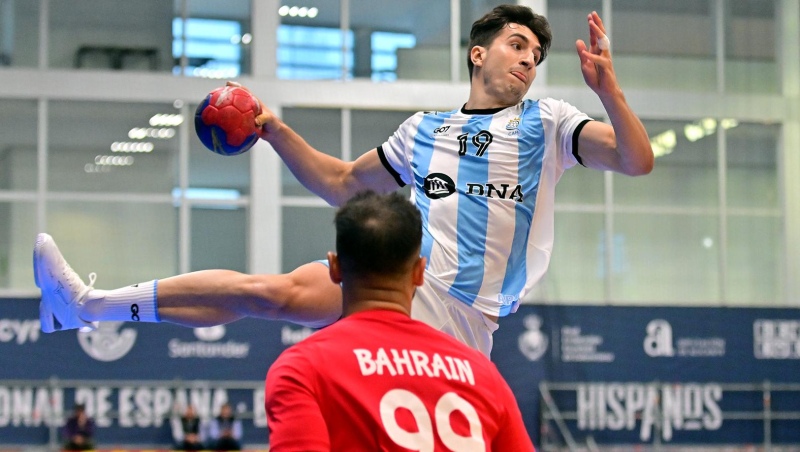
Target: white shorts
{"x":446,"y":314}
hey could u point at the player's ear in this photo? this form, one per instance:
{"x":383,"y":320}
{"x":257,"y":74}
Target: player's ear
{"x":334,"y":270}
{"x":418,"y":272}
{"x":477,"y":54}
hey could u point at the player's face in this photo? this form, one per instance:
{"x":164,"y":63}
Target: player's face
{"x":509,"y":64}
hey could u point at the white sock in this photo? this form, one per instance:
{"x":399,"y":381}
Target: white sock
{"x":136,"y":303}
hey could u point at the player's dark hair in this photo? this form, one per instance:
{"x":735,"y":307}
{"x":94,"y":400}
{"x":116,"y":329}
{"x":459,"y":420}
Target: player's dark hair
{"x":486,"y":28}
{"x":377,"y":234}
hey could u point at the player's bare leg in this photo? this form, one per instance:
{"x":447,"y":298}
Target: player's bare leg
{"x":305,"y":296}
{"x":211,"y":297}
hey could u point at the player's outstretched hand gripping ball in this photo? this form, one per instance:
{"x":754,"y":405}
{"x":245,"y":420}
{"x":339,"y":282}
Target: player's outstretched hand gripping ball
{"x":225,"y":120}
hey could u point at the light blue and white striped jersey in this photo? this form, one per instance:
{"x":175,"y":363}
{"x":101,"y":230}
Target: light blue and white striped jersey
{"x":484,"y":181}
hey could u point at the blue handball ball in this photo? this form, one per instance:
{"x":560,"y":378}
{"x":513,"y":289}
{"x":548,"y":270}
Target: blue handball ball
{"x":225,"y":120}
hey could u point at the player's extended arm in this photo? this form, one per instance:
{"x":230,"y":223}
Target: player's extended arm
{"x":330,"y":178}
{"x":624,"y":146}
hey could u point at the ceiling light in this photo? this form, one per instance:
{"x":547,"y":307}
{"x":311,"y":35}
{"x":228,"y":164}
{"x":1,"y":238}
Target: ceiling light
{"x":664,"y":143}
{"x":123,"y":146}
{"x":168,"y":119}
{"x":113,"y":160}
{"x":140,"y":133}
{"x":693,"y":132}
{"x":298,"y":11}
{"x":92,"y":168}
{"x":709,"y":125}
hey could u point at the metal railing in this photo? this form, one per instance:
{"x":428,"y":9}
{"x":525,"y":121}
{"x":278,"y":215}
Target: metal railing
{"x":556,"y":434}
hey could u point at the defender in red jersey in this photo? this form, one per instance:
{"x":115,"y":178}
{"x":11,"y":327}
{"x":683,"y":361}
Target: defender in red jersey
{"x":377,"y":379}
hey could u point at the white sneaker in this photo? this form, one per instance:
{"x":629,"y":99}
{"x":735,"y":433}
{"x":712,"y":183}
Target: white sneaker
{"x":63,"y":291}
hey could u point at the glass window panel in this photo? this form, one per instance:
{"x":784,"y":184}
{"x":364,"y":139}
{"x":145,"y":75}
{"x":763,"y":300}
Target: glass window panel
{"x":219,"y":238}
{"x":568,"y":24}
{"x":384,"y":47}
{"x":371,"y":128}
{"x":216,"y":41}
{"x":577,"y":267}
{"x":308,"y":235}
{"x":125,"y":243}
{"x":111,"y":35}
{"x":209,"y":170}
{"x":19,"y":33}
{"x":327,"y":58}
{"x":664,"y":44}
{"x":110,"y":147}
{"x":755,"y":257}
{"x":750,"y":47}
{"x":17,"y":236}
{"x":311,"y":44}
{"x":648,"y":52}
{"x":685,"y":172}
{"x":580,"y":185}
{"x":427,"y":22}
{"x":18,"y":140}
{"x":671,"y":259}
{"x":322,"y":129}
{"x":752,"y":151}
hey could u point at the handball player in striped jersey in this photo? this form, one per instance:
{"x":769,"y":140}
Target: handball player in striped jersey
{"x":483,"y":177}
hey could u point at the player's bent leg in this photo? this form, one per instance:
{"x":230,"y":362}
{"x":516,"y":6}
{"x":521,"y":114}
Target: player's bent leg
{"x":305,"y":296}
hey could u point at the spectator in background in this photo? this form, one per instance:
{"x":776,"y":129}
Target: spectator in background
{"x":188,"y":430}
{"x":78,"y":432}
{"x":225,"y":431}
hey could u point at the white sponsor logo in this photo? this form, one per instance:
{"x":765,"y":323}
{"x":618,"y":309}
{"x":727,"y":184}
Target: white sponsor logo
{"x":108,"y":342}
{"x":532,"y":343}
{"x":507,"y":300}
{"x":776,"y":339}
{"x":210,"y":334}
{"x":208,"y":347}
{"x":658,"y":342}
{"x":668,"y":407}
{"x":578,"y":347}
{"x":291,"y":336}
{"x":19,"y":331}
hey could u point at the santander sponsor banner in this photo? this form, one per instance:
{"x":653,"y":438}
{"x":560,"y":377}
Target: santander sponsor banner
{"x":622,"y":375}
